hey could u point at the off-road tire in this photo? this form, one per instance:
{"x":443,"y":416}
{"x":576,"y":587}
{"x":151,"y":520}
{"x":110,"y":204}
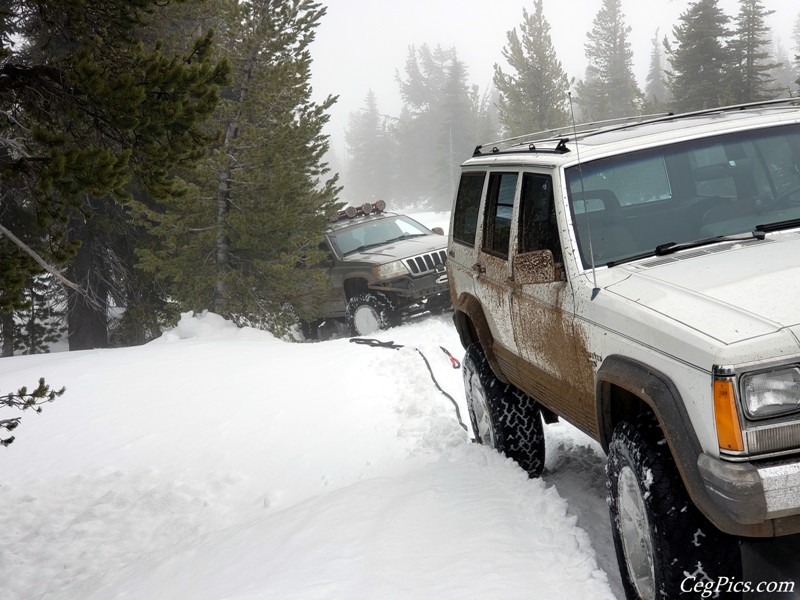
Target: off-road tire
{"x":370,"y":312}
{"x":645,"y":492}
{"x":512,"y":424}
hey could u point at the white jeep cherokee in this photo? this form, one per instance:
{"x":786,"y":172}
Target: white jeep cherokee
{"x":642,"y":281}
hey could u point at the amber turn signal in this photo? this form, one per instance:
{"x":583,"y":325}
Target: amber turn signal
{"x":729,"y":432}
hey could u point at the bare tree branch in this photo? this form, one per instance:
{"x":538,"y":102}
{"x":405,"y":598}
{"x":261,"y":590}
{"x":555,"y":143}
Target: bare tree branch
{"x":48,"y":267}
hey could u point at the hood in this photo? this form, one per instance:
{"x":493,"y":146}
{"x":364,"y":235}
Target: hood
{"x":729,"y":291}
{"x":400,"y":249}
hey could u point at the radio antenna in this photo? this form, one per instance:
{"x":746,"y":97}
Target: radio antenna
{"x":595,"y":290}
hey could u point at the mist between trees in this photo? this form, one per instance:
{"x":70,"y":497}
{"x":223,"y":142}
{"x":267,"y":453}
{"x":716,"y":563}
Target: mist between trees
{"x":163,"y":157}
{"x":707,"y":59}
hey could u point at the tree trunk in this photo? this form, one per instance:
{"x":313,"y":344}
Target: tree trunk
{"x":87,"y":323}
{"x":7,"y":321}
{"x":219,"y":301}
{"x":223,"y":249}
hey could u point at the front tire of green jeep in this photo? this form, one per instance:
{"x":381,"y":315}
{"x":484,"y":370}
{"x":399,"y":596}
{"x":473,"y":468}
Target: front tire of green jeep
{"x":370,"y":312}
{"x":502,"y":416}
{"x":665,"y":547}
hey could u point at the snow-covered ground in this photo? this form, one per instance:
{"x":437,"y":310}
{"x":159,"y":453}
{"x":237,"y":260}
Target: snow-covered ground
{"x":222,"y":463}
{"x":218,"y":462}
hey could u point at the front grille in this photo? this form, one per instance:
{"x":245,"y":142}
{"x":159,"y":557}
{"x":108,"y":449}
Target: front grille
{"x":765,"y":440}
{"x":426,"y":263}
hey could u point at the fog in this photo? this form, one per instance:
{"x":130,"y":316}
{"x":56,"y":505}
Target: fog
{"x":361,"y":44}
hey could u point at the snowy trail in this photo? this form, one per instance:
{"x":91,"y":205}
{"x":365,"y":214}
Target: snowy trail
{"x":223,"y":463}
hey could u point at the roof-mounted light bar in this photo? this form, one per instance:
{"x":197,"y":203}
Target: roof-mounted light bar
{"x":359,"y":211}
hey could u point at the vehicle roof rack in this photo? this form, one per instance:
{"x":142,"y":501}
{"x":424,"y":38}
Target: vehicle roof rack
{"x":700,"y":113}
{"x":560,"y":136}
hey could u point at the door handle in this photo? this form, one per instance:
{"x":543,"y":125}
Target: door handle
{"x":479,"y":268}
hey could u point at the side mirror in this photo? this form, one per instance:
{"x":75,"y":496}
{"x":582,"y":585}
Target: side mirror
{"x":438,"y":230}
{"x":538,"y":266}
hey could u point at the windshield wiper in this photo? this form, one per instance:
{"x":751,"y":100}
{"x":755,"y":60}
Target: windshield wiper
{"x":671,"y":247}
{"x":363,"y":247}
{"x":789,"y":224}
{"x":405,"y":236}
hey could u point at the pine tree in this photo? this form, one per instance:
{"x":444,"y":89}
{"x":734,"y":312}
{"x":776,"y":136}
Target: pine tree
{"x":657,"y":96}
{"x":784,"y":73}
{"x":41,"y":322}
{"x":796,"y":38}
{"x":437,"y":121}
{"x":258,"y":205}
{"x":456,"y":134}
{"x":370,"y":149}
{"x":751,"y":76}
{"x":609,"y":89}
{"x":487,"y":119}
{"x":700,"y":60}
{"x":534,"y":96}
{"x":89,"y":109}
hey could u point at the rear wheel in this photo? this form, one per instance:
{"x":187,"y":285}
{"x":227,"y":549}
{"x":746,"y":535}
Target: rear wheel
{"x":370,"y":312}
{"x":502,"y":416}
{"x":664,"y":545}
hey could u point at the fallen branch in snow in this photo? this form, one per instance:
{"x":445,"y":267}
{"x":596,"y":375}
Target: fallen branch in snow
{"x":24,"y":400}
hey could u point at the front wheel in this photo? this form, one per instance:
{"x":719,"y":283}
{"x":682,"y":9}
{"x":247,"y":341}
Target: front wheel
{"x":370,"y":312}
{"x":665,"y":547}
{"x":502,"y":416}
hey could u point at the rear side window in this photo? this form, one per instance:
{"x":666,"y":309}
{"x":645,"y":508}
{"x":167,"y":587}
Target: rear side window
{"x":465,"y":213}
{"x":499,"y":206}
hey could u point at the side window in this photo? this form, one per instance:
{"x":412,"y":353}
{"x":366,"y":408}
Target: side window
{"x":465,"y":213}
{"x":499,"y":205}
{"x":538,"y":229}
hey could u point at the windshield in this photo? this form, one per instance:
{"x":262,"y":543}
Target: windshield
{"x":373,"y":233}
{"x":681,"y":193}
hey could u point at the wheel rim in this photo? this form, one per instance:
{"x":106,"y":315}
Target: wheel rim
{"x":366,"y":320}
{"x":483,"y":420}
{"x":634,"y":529}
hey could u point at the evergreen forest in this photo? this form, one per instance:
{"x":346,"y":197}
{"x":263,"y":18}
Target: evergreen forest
{"x":707,"y":59}
{"x":164,"y":156}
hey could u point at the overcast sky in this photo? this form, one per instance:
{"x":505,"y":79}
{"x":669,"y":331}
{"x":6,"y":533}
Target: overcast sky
{"x":362,"y":43}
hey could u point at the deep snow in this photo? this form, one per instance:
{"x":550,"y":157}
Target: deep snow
{"x":218,"y":462}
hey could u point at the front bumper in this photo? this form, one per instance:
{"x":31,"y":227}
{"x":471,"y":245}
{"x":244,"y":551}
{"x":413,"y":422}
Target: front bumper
{"x":751,"y":494}
{"x":414,"y":288}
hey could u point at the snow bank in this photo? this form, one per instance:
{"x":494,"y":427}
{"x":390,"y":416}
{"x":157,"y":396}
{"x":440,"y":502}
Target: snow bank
{"x":224,"y":463}
{"x":209,"y":326}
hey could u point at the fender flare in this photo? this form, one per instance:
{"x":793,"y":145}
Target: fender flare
{"x":660,"y":394}
{"x":472,"y":327}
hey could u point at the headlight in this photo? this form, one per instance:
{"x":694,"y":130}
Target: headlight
{"x":389,"y":270}
{"x":772,"y":393}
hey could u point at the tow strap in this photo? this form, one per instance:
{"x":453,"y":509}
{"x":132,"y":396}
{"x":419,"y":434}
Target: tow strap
{"x":453,"y":362}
